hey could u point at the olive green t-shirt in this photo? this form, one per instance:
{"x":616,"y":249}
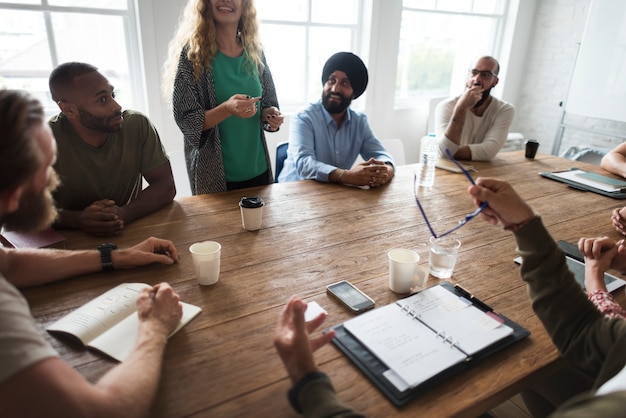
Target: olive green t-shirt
{"x":113,"y":171}
{"x":242,"y":149}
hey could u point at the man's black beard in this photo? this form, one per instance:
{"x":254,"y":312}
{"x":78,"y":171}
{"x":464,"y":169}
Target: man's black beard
{"x":335,"y":108}
{"x":482,"y":99}
{"x":89,"y":120}
{"x":36,"y":210}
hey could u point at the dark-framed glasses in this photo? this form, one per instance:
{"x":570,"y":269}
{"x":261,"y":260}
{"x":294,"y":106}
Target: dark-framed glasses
{"x":485,"y":75}
{"x":462,"y":222}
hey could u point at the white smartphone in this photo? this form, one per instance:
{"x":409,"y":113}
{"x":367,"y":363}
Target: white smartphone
{"x":350,"y":296}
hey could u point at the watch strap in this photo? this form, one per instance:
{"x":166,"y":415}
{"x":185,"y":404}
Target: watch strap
{"x":105,"y":255}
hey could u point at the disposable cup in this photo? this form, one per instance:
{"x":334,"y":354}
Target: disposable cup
{"x":251,"y":212}
{"x":206,"y":261}
{"x":404,"y":270}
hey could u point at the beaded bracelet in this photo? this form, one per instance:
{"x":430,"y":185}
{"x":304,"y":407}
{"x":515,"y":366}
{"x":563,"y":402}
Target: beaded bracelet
{"x":515,"y":227}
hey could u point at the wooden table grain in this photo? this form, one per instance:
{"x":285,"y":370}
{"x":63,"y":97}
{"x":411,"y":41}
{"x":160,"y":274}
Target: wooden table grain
{"x":223,"y":363}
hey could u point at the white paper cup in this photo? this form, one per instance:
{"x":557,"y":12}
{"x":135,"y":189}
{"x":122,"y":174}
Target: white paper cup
{"x":251,"y":212}
{"x":206,"y":261}
{"x":442,"y":257}
{"x":404,"y":270}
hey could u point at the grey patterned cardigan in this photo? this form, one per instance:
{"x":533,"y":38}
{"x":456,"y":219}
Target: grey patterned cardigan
{"x":203,"y":149}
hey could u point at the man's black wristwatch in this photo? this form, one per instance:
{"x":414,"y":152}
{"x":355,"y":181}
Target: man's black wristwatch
{"x":105,"y":255}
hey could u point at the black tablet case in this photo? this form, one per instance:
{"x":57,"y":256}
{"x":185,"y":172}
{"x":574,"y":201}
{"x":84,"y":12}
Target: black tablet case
{"x":373,"y":368}
{"x":581,"y":186}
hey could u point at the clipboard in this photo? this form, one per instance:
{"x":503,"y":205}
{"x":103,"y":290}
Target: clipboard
{"x":588,"y":181}
{"x":374,"y":369}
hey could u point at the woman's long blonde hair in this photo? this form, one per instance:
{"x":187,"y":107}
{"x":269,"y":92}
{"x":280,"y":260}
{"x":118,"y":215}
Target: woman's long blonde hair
{"x":196,"y":29}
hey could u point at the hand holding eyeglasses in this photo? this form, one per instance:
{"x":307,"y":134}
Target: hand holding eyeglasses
{"x":495,"y":199}
{"x":502,"y":203}
{"x":462,"y":222}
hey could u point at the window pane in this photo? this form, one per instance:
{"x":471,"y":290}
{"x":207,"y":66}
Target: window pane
{"x":25,"y":61}
{"x":455,"y":5}
{"x":76,"y":40}
{"x":343,"y":12}
{"x":489,"y":6}
{"x":286,"y":10}
{"x":21,"y":1}
{"x":324,"y":42}
{"x":297,"y":50}
{"x":99,"y":4}
{"x":420,"y":4}
{"x":283,"y":46}
{"x":434,"y":52}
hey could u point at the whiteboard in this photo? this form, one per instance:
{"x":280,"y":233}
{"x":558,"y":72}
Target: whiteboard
{"x":598,"y":87}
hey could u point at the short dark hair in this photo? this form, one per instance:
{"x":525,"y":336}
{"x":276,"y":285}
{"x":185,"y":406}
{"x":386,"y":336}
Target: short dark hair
{"x":62,"y":77}
{"x":20,"y":113}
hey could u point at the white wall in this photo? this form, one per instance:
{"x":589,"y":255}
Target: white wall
{"x":558,"y":29}
{"x":535,"y":72}
{"x":157,"y":22}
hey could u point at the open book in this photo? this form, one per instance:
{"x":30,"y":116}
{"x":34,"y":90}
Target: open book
{"x":407,"y":347}
{"x":110,"y":322}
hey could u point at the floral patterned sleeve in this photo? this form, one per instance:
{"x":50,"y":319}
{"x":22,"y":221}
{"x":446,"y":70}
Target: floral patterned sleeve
{"x":606,"y":304}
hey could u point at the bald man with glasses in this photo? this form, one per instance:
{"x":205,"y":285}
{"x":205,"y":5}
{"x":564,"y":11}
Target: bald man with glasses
{"x":475,"y":125}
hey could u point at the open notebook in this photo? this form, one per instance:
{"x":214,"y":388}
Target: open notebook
{"x":408,"y":346}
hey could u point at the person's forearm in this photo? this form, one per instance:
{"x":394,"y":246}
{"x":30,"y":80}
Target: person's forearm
{"x":594,"y":278}
{"x":32,"y":267}
{"x":455,"y":126}
{"x":152,"y":198}
{"x":214,"y":116}
{"x":132,"y":384}
{"x":338,"y":176}
{"x":614,"y":163}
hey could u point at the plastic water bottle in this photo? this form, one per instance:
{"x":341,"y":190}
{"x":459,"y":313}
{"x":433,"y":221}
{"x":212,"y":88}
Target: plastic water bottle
{"x":428,"y":159}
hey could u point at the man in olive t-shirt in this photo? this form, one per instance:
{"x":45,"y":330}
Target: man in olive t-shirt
{"x":104,"y":154}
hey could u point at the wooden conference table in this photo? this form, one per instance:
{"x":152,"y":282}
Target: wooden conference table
{"x":224,"y":364}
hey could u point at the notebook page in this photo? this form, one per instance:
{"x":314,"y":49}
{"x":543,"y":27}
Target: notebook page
{"x":403,"y":343}
{"x":456,"y":319}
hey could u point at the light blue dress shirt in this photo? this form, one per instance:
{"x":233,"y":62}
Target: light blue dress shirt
{"x":317,"y":147}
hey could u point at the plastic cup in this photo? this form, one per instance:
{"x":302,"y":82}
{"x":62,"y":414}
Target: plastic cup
{"x":442,"y":257}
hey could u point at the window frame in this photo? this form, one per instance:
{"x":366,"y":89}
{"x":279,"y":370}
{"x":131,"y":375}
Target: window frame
{"x":356,"y":46}
{"x":495,"y":49}
{"x":134,"y":53}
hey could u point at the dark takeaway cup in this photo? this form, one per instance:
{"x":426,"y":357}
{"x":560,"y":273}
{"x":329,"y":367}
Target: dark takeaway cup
{"x":251,"y":212}
{"x":531,"y":148}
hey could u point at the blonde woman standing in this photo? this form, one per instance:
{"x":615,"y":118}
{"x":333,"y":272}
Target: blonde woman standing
{"x":223,"y":95}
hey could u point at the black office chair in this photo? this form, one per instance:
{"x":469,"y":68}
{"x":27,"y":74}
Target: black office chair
{"x":281,"y":156}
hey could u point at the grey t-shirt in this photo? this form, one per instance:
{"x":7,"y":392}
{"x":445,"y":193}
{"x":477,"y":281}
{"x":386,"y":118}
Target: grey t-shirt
{"x":21,"y":343}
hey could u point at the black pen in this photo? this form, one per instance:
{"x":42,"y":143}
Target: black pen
{"x":475,"y":301}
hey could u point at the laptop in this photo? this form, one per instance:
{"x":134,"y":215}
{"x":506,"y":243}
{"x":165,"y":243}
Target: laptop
{"x":576,"y":263}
